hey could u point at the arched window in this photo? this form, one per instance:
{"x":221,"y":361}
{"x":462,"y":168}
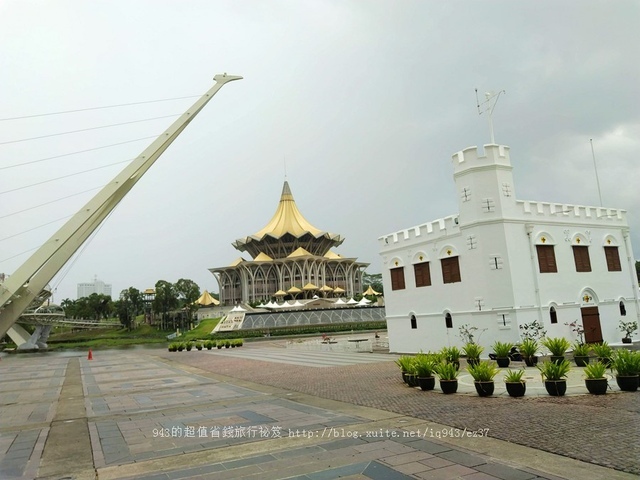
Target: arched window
{"x":414,"y":322}
{"x":623,"y":310}
{"x":553,"y":315}
{"x":448,"y":320}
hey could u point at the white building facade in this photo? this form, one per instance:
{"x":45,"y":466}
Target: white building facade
{"x":501,"y":263}
{"x":97,"y":286}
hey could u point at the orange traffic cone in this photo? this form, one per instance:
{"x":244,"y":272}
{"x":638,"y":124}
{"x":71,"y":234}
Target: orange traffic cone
{"x":90,"y":357}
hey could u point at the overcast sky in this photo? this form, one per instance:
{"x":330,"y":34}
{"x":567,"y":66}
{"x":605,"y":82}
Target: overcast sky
{"x":365,"y":101}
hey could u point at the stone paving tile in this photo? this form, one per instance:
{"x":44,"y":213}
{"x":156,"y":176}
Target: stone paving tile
{"x":505,"y":472}
{"x":377,"y":471}
{"x":406,"y":458}
{"x":515,"y":420}
{"x":462,"y":458}
{"x":447,"y":473}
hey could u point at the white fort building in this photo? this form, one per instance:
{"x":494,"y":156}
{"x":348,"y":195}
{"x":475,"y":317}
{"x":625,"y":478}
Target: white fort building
{"x":501,"y":263}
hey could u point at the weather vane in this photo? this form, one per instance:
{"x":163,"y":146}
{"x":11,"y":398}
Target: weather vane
{"x":491,"y":99}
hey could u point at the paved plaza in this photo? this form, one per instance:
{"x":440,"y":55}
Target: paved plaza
{"x":267,"y":412}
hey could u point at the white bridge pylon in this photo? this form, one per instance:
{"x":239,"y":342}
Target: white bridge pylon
{"x":26,"y":286}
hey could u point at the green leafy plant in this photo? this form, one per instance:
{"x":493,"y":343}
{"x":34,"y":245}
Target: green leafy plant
{"x":557,"y":345}
{"x":529,"y":347}
{"x":450,"y":354}
{"x":472,"y":350}
{"x":554,"y":371}
{"x":581,"y":349}
{"x":483,"y":371}
{"x":181,"y":347}
{"x":424,"y":366}
{"x":467,"y":333}
{"x":625,"y":363}
{"x":628,"y":328}
{"x":173,"y":347}
{"x":595,"y":370}
{"x":602,"y":350}
{"x":208,"y":344}
{"x":227,"y":343}
{"x":514,"y":376}
{"x":502,"y":349}
{"x":405,"y":362}
{"x":189,"y":346}
{"x":447,"y":371}
{"x":532,"y":331}
{"x":198,"y":345}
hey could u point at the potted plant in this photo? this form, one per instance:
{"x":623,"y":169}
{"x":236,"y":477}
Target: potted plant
{"x":516,"y":386}
{"x":219,"y":344}
{"x":528,"y":350}
{"x":472,"y":351}
{"x":581,"y":353}
{"x":595,"y":381}
{"x":603,"y":351}
{"x":424,"y":366}
{"x":448,"y":374}
{"x":180,"y":347}
{"x":451,"y":355}
{"x":189,"y":346}
{"x":208,"y":344}
{"x":412,"y":375}
{"x":173,"y":347}
{"x":404,"y":363}
{"x":502,"y":351}
{"x":554,"y":375}
{"x":483,"y":373}
{"x":628,"y":328}
{"x":227,"y":343}
{"x":199,"y":346}
{"x":557,"y":346}
{"x":626,"y":365}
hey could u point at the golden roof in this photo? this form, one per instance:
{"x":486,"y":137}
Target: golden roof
{"x":237,"y":262}
{"x":332,"y":255}
{"x":288,"y":219}
{"x":207,"y":299}
{"x":310,"y":286}
{"x":263,"y":257}
{"x":294,"y":290}
{"x":279,"y":293}
{"x":298,"y":252}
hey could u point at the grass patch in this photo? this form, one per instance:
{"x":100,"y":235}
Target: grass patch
{"x":201,"y":332}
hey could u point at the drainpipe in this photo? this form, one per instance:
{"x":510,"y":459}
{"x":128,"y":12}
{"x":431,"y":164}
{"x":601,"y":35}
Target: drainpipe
{"x":632,"y":271}
{"x":529,"y":229}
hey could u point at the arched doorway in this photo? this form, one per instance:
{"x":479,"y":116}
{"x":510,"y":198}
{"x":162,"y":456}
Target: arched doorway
{"x":590,"y":317}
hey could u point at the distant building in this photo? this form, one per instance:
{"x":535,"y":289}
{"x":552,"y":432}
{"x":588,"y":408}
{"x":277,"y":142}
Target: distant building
{"x":501,"y":263}
{"x":290,"y":259}
{"x":97,"y":286}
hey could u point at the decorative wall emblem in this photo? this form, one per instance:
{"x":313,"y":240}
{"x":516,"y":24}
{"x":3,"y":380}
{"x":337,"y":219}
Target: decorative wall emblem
{"x":587,"y":298}
{"x":472,"y":243}
{"x":396,"y":263}
{"x":567,"y":235}
{"x":608,"y":241}
{"x":506,"y":189}
{"x":543,"y":240}
{"x":420,"y":257}
{"x":488,"y":205}
{"x":578,"y":240}
{"x":449,"y":252}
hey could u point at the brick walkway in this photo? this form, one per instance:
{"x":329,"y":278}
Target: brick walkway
{"x":604,"y":430}
{"x":155,"y":415}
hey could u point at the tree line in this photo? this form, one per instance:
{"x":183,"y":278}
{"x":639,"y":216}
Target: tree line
{"x":173,"y":304}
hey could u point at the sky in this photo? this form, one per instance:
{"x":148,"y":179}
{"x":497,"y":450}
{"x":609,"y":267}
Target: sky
{"x":361,"y":104}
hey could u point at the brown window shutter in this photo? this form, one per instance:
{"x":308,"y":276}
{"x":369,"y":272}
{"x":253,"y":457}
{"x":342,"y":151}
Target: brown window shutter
{"x":451,"y":270}
{"x":581,"y":258}
{"x":422,"y":274}
{"x":613,"y":259}
{"x":546,"y":259}
{"x":397,"y":278}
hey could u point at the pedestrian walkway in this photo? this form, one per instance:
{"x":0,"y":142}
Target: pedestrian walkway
{"x":153,"y":415}
{"x":307,"y":358}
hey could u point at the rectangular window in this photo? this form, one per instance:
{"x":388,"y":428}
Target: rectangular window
{"x":397,"y":278}
{"x":450,"y":270}
{"x":414,"y":322}
{"x":546,"y":259}
{"x":613,"y":259}
{"x":581,"y":258}
{"x":422,"y":273}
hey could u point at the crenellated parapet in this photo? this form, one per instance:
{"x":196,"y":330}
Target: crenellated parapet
{"x":471,"y":158}
{"x":563,"y":212}
{"x":426,"y":232}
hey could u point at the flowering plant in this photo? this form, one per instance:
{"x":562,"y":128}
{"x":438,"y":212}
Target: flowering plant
{"x":578,"y":329}
{"x":532,"y":331}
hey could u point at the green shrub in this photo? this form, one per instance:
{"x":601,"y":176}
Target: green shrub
{"x":557,"y":346}
{"x":529,"y":347}
{"x":625,"y":363}
{"x":595,"y":370}
{"x":189,"y":346}
{"x":199,"y":345}
{"x":602,"y":350}
{"x":581,"y":349}
{"x":514,"y":376}
{"x":554,"y":371}
{"x":502,"y":349}
{"x":472,"y":350}
{"x":450,"y":354}
{"x":181,"y":347}
{"x":447,"y":371}
{"x":208,"y":344}
{"x":404,"y":362}
{"x":424,"y":365}
{"x":483,"y":371}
